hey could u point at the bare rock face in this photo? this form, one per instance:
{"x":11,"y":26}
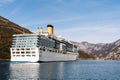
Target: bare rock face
{"x":7,"y":29}
{"x":114,"y":54}
{"x":96,"y":49}
{"x":106,"y":51}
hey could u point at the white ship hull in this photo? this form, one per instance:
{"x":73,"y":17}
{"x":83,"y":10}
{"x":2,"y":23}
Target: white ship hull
{"x":46,"y":57}
{"x":42,"y":56}
{"x":56,"y":57}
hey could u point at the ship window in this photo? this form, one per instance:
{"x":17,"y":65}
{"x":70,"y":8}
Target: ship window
{"x":33,"y":52}
{"x":56,"y":51}
{"x":32,"y":48}
{"x":28,"y":55}
{"x":28,"y":49}
{"x":27,"y":52}
{"x":33,"y":55}
{"x":23,"y":55}
{"x":17,"y":55}
{"x":22,"y":49}
{"x":50,"y":50}
{"x":13,"y":55}
{"x":40,"y":48}
{"x":17,"y":52}
{"x":13,"y":52}
{"x":44,"y":49}
{"x":17,"y":49}
{"x":22,"y":52}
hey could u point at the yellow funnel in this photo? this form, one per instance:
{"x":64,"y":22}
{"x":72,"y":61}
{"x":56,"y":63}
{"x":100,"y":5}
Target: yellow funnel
{"x":50,"y":29}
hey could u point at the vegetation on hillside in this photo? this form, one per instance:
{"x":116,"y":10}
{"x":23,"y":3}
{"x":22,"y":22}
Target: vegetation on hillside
{"x":7,"y":29}
{"x":85,"y":56}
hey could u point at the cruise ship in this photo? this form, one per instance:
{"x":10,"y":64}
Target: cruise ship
{"x":42,"y":46}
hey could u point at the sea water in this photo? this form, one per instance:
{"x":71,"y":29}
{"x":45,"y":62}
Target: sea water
{"x":74,"y":70}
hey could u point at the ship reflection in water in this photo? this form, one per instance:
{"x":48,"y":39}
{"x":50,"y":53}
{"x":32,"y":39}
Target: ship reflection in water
{"x":76,"y":70}
{"x":36,"y":71}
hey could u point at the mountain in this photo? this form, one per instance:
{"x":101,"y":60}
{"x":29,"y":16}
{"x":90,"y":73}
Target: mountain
{"x":7,"y":29}
{"x":101,"y":50}
{"x":96,"y":49}
{"x":114,"y":54}
{"x":85,"y":56}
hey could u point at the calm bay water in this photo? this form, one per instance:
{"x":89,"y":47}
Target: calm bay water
{"x":76,"y":70}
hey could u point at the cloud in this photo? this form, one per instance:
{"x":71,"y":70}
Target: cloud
{"x":103,"y":33}
{"x":4,"y":2}
{"x":101,"y":29}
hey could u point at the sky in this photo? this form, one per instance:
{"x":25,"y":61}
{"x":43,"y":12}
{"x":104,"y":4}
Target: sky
{"x":94,"y":21}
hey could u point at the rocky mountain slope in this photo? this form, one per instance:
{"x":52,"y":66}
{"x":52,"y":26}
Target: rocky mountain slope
{"x":114,"y":54}
{"x":7,"y":29}
{"x":96,"y":49}
{"x":85,"y":56}
{"x":101,"y":50}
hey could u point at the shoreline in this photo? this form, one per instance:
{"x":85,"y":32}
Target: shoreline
{"x":4,"y":59}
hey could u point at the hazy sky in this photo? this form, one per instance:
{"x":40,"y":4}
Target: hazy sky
{"x":95,"y":21}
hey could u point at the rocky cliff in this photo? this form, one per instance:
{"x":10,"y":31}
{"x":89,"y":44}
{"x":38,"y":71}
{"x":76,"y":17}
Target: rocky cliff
{"x":96,"y":49}
{"x":114,"y":54}
{"x":109,"y":51}
{"x":7,"y":29}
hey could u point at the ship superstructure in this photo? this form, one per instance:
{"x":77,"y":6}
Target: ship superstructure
{"x":43,"y":46}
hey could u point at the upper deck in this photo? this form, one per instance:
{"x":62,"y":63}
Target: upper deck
{"x":42,"y":41}
{"x":24,"y":40}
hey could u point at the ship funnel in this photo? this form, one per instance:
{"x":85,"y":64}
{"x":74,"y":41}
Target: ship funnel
{"x":50,"y":29}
